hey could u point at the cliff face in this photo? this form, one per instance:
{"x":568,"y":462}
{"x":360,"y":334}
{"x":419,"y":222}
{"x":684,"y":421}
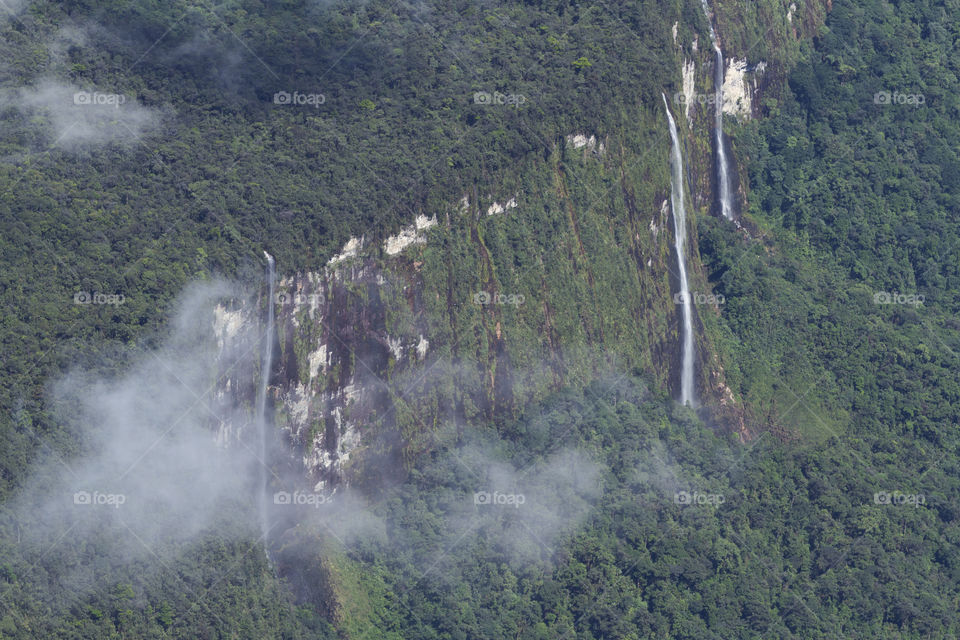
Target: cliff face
{"x":468,"y":315}
{"x":472,"y":313}
{"x":760,"y":43}
{"x":560,"y":274}
{"x":346,"y":334}
{"x":489,"y":303}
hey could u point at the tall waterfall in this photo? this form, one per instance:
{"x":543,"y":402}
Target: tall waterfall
{"x":262,"y":425}
{"x":680,"y":237}
{"x":723,"y":166}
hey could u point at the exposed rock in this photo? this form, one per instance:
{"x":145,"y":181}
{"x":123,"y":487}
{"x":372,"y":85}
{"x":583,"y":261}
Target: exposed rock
{"x":349,"y":250}
{"x":409,"y":236}
{"x":689,"y":89}
{"x":226,"y":325}
{"x":395,"y":244}
{"x":736,"y":92}
{"x":422,"y":347}
{"x":496,"y":207}
{"x":587,"y":143}
{"x":579,"y":140}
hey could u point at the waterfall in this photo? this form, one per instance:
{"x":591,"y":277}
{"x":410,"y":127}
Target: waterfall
{"x":713,"y":34}
{"x":723,"y":166}
{"x":680,"y":236}
{"x":262,"y":425}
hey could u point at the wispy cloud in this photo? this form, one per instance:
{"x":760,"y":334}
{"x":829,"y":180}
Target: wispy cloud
{"x":78,"y":117}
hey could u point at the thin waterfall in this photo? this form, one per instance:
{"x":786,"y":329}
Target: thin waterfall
{"x":265,"y":367}
{"x":713,"y":34}
{"x":680,"y":237}
{"x":723,"y":166}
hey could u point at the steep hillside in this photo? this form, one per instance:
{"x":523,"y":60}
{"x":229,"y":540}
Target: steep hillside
{"x":471,"y":425}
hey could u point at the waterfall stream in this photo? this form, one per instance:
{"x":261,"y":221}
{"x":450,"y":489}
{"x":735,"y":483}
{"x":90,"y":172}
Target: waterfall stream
{"x":723,"y":166}
{"x":680,"y":237}
{"x":262,"y":422}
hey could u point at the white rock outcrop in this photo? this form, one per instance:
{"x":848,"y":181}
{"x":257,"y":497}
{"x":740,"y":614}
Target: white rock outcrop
{"x":496,"y":207}
{"x":736,"y":92}
{"x":409,"y":236}
{"x":226,"y":325}
{"x":689,"y":88}
{"x":350,"y":250}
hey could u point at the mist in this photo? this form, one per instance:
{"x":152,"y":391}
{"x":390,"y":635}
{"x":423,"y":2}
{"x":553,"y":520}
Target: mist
{"x":77,"y":117}
{"x":165,"y":457}
{"x":525,"y":511}
{"x":11,"y":8}
{"x":149,"y":477}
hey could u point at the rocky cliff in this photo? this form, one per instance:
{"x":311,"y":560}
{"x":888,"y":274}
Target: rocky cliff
{"x":483,"y":306}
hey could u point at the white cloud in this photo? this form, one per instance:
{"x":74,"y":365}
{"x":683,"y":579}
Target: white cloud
{"x":79,"y":117}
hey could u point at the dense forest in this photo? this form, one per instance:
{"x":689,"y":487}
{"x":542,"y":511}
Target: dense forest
{"x":223,"y":131}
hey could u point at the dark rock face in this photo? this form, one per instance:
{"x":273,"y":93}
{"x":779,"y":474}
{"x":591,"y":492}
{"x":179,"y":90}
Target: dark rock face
{"x":472,"y":318}
{"x":338,"y":359}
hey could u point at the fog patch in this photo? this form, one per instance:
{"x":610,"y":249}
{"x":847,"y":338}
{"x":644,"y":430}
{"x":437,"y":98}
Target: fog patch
{"x":147,"y":476}
{"x":82,"y":117}
{"x":524,"y":512}
{"x":11,"y":8}
{"x":659,"y":470}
